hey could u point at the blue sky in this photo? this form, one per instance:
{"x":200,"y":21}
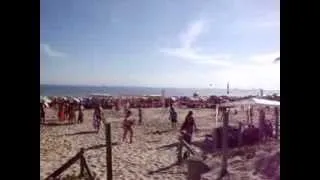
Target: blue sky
{"x":161,"y":43}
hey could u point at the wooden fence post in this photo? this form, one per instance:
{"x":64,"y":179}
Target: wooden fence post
{"x":240,"y":134}
{"x":224,"y":167}
{"x":276,"y":113}
{"x":81,"y":163}
{"x":108,"y":150}
{"x":179,"y":155}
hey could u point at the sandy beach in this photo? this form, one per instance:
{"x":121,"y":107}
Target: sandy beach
{"x":153,"y":148}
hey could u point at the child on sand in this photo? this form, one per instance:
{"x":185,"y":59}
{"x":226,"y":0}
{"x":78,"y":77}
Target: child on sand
{"x":127,"y":126}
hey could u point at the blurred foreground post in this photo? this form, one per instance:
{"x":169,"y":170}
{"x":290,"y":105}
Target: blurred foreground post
{"x":240,"y":134}
{"x":224,"y":167}
{"x":179,"y":149}
{"x":217,"y":115}
{"x":108,"y":150}
{"x":276,"y":113}
{"x":81,"y":164}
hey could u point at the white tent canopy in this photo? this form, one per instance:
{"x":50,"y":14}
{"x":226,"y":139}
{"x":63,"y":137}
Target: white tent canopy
{"x":249,"y":102}
{"x":252,"y":101}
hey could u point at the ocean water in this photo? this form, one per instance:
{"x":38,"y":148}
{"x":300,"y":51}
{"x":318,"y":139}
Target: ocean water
{"x":64,"y":90}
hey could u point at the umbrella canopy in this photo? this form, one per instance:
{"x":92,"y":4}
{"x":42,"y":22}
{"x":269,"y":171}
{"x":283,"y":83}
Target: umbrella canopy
{"x":76,"y":100}
{"x":45,"y":99}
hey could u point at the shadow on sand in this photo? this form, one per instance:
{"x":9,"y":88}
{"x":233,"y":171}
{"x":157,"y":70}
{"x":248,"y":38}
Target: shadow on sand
{"x":81,"y":133}
{"x":163,"y":170}
{"x":100,"y":146}
{"x":203,"y":146}
{"x":159,"y":132}
{"x":55,"y":124}
{"x":168,"y":146}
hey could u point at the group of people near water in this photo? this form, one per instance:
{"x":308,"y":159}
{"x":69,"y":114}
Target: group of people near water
{"x":66,"y":111}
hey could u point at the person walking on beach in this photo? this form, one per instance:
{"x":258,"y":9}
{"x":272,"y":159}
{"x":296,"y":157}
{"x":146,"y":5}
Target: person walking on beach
{"x":80,"y":114}
{"x":127,"y":126}
{"x":173,"y":117}
{"x":262,"y":124}
{"x":66,"y":110}
{"x":97,"y":118}
{"x":72,"y":113}
{"x":61,"y":111}
{"x":42,"y":113}
{"x":140,"y":115}
{"x":187,"y":129}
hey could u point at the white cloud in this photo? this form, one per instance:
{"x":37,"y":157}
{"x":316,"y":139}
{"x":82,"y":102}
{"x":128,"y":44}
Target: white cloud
{"x":192,"y":56}
{"x":188,"y":52}
{"x":253,"y":71}
{"x":190,"y":35}
{"x":47,"y":50}
{"x":258,"y":71}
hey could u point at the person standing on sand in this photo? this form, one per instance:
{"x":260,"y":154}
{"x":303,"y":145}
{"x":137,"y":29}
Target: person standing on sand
{"x":66,"y":110}
{"x":262,"y":124}
{"x":80,"y":114}
{"x":42,"y":113}
{"x":173,"y":117}
{"x":140,"y":115}
{"x":187,"y":130}
{"x":187,"y":127}
{"x":73,"y":112}
{"x":127,"y":126}
{"x":61,"y":111}
{"x":97,"y":118}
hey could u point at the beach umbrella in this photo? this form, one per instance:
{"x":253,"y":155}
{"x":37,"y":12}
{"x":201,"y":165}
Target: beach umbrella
{"x":76,"y":100}
{"x":44,"y":99}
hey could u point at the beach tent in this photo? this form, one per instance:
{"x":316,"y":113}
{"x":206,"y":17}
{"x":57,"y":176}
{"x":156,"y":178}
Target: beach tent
{"x":249,"y":102}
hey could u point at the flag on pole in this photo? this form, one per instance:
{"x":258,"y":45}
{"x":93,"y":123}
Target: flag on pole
{"x":277,"y":59}
{"x":228,"y":88}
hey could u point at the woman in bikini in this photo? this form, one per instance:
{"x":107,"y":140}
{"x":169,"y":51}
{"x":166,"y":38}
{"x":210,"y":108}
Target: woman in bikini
{"x":127,"y":126}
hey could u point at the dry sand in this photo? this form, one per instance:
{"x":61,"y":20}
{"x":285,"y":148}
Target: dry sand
{"x":152,"y":149}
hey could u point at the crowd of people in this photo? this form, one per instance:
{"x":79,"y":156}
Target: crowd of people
{"x":66,"y":111}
